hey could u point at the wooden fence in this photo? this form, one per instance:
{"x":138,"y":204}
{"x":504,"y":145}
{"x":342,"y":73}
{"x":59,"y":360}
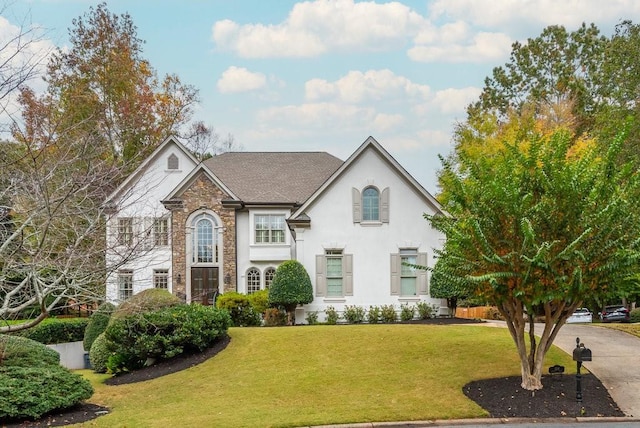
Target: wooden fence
{"x":475,"y":312}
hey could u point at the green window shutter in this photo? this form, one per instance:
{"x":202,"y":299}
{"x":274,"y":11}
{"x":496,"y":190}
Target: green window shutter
{"x":347,"y":274}
{"x":357,"y":205}
{"x":321,"y":277}
{"x":423,"y":284}
{"x":395,"y":274}
{"x":384,"y":206}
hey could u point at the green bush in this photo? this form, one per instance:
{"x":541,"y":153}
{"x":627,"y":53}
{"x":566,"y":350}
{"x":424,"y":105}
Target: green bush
{"x":260,"y":301}
{"x":275,"y":317}
{"x":240,"y":308}
{"x":53,"y":330}
{"x":407,"y":312}
{"x":291,"y":287}
{"x":20,"y":351}
{"x":331,"y":315}
{"x":354,"y":314}
{"x":140,"y":339}
{"x":99,"y":354}
{"x":30,"y":392}
{"x":312,"y":318}
{"x":97,"y":324}
{"x":634,"y":315}
{"x":426,"y":311}
{"x":373,"y":316}
{"x":388,"y":314}
{"x":147,"y":300}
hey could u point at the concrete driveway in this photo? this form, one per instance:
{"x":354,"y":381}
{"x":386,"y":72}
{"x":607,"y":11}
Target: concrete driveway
{"x":616,"y":361}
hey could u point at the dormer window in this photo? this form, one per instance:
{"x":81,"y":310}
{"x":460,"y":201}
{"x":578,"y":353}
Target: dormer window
{"x":172,"y":162}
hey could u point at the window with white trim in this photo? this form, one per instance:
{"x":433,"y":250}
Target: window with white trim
{"x":161,"y":278}
{"x":269,"y":274}
{"x":269,"y":228}
{"x":125,"y":231}
{"x":125,"y":284}
{"x":161,"y":231}
{"x":205,"y":245}
{"x":370,"y":204}
{"x":253,"y":280}
{"x":334,"y":274}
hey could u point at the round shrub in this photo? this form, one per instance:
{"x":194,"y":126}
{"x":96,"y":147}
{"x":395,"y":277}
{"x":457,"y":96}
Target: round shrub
{"x":260,"y":300}
{"x":147,"y":300}
{"x":634,"y":315}
{"x":30,"y":392}
{"x":240,"y":309}
{"x":97,"y":324}
{"x":99,"y":354}
{"x":20,"y":351}
{"x":140,"y":339}
{"x":291,"y":287}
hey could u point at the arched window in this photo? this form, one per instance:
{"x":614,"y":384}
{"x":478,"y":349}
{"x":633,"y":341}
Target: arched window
{"x":253,"y":280}
{"x":269,"y":273}
{"x":173,"y":162}
{"x":205,"y":248}
{"x":370,"y":204}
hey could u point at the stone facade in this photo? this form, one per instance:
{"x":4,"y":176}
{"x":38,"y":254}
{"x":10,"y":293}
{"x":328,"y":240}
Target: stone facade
{"x":202,"y":193}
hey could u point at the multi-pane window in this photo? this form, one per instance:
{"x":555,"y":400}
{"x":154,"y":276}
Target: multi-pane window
{"x":408,"y":277}
{"x":161,"y":231}
{"x":204,"y":242}
{"x":334,"y":273}
{"x":253,"y":280}
{"x":370,"y":204}
{"x":269,"y":274}
{"x":269,"y":228}
{"x":125,"y":284}
{"x":125,"y":231}
{"x":161,"y":278}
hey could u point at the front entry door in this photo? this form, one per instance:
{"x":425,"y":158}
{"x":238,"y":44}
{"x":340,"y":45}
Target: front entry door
{"x":204,"y":284}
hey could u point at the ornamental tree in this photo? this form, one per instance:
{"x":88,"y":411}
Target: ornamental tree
{"x":291,"y":287}
{"x":538,"y":227}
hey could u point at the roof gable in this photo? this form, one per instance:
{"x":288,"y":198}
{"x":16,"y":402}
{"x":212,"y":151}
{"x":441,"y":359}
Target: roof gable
{"x":273,"y":177}
{"x":370,"y":144}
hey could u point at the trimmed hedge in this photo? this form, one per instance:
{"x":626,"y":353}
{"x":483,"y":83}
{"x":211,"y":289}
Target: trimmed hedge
{"x":34,"y":391}
{"x":97,"y":324}
{"x":24,"y":352}
{"x":634,"y":315}
{"x":99,"y":354}
{"x":53,"y":330}
{"x":240,"y":309}
{"x":147,"y":300}
{"x":138,"y":340}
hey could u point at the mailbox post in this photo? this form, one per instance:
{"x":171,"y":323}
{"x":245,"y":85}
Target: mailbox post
{"x":580,"y":354}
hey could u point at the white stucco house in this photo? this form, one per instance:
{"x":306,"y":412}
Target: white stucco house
{"x":225,"y":224}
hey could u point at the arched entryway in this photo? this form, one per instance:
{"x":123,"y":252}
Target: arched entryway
{"x":204,"y":256}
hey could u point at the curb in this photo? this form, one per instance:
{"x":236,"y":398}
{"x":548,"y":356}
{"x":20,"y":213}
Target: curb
{"x":479,"y":421}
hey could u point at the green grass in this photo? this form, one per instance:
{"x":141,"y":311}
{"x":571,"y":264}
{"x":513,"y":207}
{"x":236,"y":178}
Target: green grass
{"x":313,"y":375}
{"x":628,"y":328}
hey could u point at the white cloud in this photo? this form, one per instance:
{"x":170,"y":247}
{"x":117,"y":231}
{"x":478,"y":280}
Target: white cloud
{"x":318,"y":116}
{"x":239,"y":79}
{"x":452,"y":100}
{"x":313,"y":28}
{"x":372,"y":85}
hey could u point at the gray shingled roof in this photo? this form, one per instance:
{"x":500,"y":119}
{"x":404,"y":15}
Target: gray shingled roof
{"x":273,"y":177}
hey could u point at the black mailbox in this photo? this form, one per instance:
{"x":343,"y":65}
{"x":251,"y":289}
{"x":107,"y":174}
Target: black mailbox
{"x":580,"y":353}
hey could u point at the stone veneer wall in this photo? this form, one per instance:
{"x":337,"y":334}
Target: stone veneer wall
{"x":203,"y":193}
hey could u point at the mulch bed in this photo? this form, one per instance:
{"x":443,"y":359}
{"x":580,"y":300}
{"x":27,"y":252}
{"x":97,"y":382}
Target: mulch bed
{"x":502,"y":397}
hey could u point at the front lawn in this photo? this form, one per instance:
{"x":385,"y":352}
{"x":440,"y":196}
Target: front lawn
{"x":629,"y":328}
{"x":313,"y":375}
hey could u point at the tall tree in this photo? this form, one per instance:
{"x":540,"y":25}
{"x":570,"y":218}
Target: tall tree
{"x":102,"y":85}
{"x":538,"y":227}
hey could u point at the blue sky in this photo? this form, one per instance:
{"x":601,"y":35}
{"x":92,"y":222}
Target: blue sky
{"x":324,"y":75}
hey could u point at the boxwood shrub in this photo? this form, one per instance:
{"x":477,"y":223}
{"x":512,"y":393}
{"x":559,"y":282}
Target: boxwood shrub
{"x":33,"y":391}
{"x":147,"y":300}
{"x":634,"y":315}
{"x":240,"y":309}
{"x":99,"y":354}
{"x":53,"y":330}
{"x":139,"y":339}
{"x":97,"y":324}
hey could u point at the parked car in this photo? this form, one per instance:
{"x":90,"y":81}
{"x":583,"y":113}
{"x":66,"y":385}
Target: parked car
{"x":615,"y":313}
{"x":580,"y":315}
